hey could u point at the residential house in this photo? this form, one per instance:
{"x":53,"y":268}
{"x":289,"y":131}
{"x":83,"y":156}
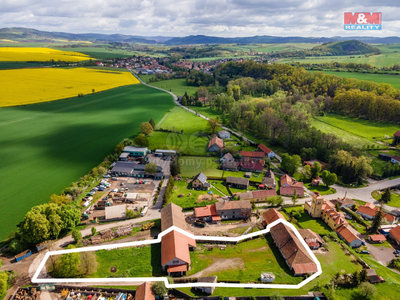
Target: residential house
{"x":271,"y":215}
{"x":228,"y":163}
{"x":395,"y":160}
{"x":206,"y":289}
{"x":377,"y":238}
{"x":171,"y":215}
{"x":373,"y":277}
{"x":394,"y":234}
{"x":237,"y":182}
{"x":224,"y":134}
{"x":290,"y":186}
{"x":292,"y":250}
{"x":257,"y":196}
{"x":346,"y":202}
{"x":312,"y":239}
{"x":269,"y":180}
{"x":251,"y":165}
{"x":215,"y":144}
{"x":346,"y":234}
{"x":268,"y":152}
{"x":233,"y":209}
{"x":228,"y":157}
{"x":311,"y":163}
{"x":200,"y":182}
{"x":175,"y":256}
{"x":207,"y":213}
{"x":369,"y":210}
{"x":396,"y":137}
{"x":252,"y":154}
{"x":144,"y":292}
{"x":136,"y":151}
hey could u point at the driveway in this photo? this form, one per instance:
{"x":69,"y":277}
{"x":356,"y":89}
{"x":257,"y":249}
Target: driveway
{"x":382,"y":254}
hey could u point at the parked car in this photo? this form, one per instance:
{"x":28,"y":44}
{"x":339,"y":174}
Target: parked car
{"x":365,"y":252}
{"x":363,"y":243}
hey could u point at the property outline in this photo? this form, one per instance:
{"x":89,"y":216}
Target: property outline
{"x":168,"y":285}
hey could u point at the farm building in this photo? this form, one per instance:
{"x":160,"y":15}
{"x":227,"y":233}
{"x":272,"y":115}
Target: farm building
{"x":373,"y":277}
{"x":133,"y":169}
{"x":251,"y":165}
{"x":257,"y":196}
{"x":293,"y":252}
{"x":224,"y":134}
{"x":175,"y":256}
{"x":171,"y":215}
{"x":369,"y":210}
{"x":252,"y":154}
{"x":215,"y":144}
{"x":160,"y":152}
{"x":271,"y":215}
{"x":346,"y":234}
{"x":124,"y":156}
{"x":207,"y":213}
{"x":269,"y":180}
{"x":115,"y":212}
{"x":200,"y":182}
{"x":290,"y":186}
{"x":233,"y":209}
{"x":229,"y":166}
{"x":237,"y":182}
{"x":136,"y":151}
{"x":312,"y":239}
{"x":144,"y":292}
{"x":385,"y":156}
{"x":394,"y":234}
{"x":377,"y":238}
{"x":268,"y":152}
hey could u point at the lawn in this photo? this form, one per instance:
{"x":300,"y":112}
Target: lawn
{"x":394,"y":198}
{"x":46,"y":146}
{"x":192,"y":141}
{"x":306,"y":221}
{"x":144,"y":261}
{"x":177,"y":86}
{"x":393,"y":80}
{"x":360,"y":133}
{"x":27,"y":86}
{"x":249,"y":260}
{"x":322,"y":189}
{"x":189,"y":199}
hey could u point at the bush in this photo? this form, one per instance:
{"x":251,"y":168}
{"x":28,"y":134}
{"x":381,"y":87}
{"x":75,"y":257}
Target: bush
{"x":367,"y":290}
{"x":159,"y":288}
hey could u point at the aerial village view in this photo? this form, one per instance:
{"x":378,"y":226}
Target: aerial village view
{"x":224,"y":156}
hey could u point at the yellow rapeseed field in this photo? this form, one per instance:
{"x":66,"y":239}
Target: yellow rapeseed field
{"x":39,"y":54}
{"x":27,"y":86}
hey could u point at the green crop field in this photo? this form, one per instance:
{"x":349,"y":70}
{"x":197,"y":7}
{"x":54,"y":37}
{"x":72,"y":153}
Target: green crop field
{"x":358,"y":132}
{"x":393,"y":80}
{"x":46,"y":146}
{"x":390,"y":55}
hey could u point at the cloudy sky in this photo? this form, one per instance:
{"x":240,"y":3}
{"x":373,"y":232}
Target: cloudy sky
{"x":187,"y":17}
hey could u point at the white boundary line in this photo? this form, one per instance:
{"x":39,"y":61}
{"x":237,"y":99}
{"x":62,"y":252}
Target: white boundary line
{"x":35,"y":278}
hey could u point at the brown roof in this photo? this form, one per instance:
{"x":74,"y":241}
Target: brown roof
{"x":144,"y":292}
{"x":227,"y":205}
{"x":237,"y":180}
{"x":294,"y":252}
{"x":216,"y":140}
{"x":395,"y":233}
{"x":257,"y":154}
{"x":346,"y":234}
{"x":377,"y":237}
{"x":205,"y":211}
{"x":346,"y":201}
{"x":308,"y":234}
{"x":264,"y":148}
{"x":256,"y":165}
{"x":171,"y":215}
{"x":264,"y":193}
{"x":177,"y":268}
{"x":175,"y":245}
{"x":271,"y":215}
{"x":286,"y":179}
{"x":397,"y":133}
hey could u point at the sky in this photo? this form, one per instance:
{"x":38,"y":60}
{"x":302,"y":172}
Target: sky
{"x":228,"y":18}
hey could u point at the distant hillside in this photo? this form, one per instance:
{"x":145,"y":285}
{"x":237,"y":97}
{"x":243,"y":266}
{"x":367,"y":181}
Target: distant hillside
{"x":350,"y":47}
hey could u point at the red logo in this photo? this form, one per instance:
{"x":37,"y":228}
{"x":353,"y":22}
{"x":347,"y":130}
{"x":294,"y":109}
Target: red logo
{"x":362,"y":18}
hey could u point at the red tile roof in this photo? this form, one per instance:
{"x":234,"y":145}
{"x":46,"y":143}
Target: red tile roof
{"x":271,"y":215}
{"x":177,"y":268}
{"x":264,"y":193}
{"x":144,"y":292}
{"x":205,"y":211}
{"x":257,"y":165}
{"x":264,"y":149}
{"x":371,"y":210}
{"x":257,"y":154}
{"x":346,"y":234}
{"x":377,"y":238}
{"x":175,"y":245}
{"x":216,"y":140}
{"x":395,"y":233}
{"x":293,"y":251}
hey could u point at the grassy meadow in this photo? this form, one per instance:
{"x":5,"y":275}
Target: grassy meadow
{"x":27,"y":86}
{"x":46,"y":146}
{"x":177,"y":86}
{"x":40,"y":54}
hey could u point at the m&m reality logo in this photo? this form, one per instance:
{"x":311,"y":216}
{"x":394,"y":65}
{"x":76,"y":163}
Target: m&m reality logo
{"x":363,"y":21}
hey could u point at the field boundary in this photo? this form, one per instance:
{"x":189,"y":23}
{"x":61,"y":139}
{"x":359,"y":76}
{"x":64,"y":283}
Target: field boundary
{"x":35,"y":278}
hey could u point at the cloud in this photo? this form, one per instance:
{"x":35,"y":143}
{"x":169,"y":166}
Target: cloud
{"x":186,"y":17}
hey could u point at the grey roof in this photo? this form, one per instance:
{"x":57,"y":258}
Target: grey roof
{"x":135,"y":149}
{"x":124,"y":154}
{"x":165,"y":151}
{"x":201,"y":177}
{"x":123,"y":167}
{"x":237,"y":180}
{"x":228,"y":157}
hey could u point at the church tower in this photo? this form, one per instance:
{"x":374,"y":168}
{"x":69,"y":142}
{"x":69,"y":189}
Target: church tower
{"x":316,"y":206}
